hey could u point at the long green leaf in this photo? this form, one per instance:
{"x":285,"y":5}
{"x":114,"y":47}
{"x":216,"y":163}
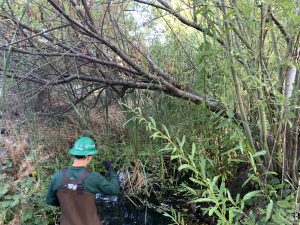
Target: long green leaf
{"x":186,"y":167}
{"x":260,"y":153}
{"x":252,"y":194}
{"x":269,"y":210}
{"x":198,"y":200}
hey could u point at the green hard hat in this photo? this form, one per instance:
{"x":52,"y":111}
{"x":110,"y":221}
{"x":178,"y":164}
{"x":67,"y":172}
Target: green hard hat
{"x":83,"y":146}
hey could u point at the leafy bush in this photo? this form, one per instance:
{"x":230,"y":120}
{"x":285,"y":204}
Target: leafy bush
{"x":269,"y":201}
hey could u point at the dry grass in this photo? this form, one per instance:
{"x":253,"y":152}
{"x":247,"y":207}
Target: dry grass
{"x":135,"y":180}
{"x":54,"y":139}
{"x":16,"y":146}
{"x":115,"y":119}
{"x":57,"y":139}
{"x":26,"y":169}
{"x":17,"y":149}
{"x":16,"y":220}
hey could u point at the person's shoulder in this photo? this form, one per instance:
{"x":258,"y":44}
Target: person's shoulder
{"x":57,"y":173}
{"x":95,"y":174}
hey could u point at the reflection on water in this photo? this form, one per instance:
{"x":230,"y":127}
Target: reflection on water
{"x":118,"y":211}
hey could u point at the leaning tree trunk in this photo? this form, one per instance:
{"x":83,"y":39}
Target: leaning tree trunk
{"x":290,"y":143}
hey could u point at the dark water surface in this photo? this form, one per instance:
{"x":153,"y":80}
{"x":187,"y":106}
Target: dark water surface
{"x":123,"y":212}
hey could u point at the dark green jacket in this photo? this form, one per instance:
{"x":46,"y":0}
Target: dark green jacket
{"x":93,"y":183}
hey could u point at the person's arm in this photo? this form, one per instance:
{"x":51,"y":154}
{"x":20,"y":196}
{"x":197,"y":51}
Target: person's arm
{"x":112,"y":177}
{"x":51,"y":197}
{"x":107,"y":185}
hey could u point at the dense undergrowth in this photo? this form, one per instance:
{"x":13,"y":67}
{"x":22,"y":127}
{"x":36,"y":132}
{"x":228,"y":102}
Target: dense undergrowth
{"x":192,"y":170}
{"x":225,"y":151}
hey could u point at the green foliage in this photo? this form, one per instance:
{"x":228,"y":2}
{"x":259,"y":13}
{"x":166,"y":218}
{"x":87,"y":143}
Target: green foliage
{"x":208,"y":190}
{"x":24,"y":200}
{"x":203,"y":146}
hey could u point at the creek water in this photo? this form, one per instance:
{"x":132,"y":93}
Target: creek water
{"x":120,"y":211}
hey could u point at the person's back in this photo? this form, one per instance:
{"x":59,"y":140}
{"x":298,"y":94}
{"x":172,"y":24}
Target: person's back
{"x":74,"y":188}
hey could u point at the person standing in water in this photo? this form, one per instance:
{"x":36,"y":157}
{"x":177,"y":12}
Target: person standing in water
{"x":73,"y":188}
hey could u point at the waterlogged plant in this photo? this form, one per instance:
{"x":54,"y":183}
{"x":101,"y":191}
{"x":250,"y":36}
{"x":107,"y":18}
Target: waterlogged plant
{"x":176,"y":217}
{"x":259,"y":206}
{"x":268,"y":202}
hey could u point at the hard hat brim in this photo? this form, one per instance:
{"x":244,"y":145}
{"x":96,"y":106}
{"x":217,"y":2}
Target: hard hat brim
{"x":74,"y":151}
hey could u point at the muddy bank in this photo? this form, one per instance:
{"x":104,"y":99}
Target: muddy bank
{"x":120,"y":211}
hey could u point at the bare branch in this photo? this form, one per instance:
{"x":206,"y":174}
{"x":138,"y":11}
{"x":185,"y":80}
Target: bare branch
{"x":78,"y":55}
{"x":38,"y":34}
{"x":281,"y":28}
